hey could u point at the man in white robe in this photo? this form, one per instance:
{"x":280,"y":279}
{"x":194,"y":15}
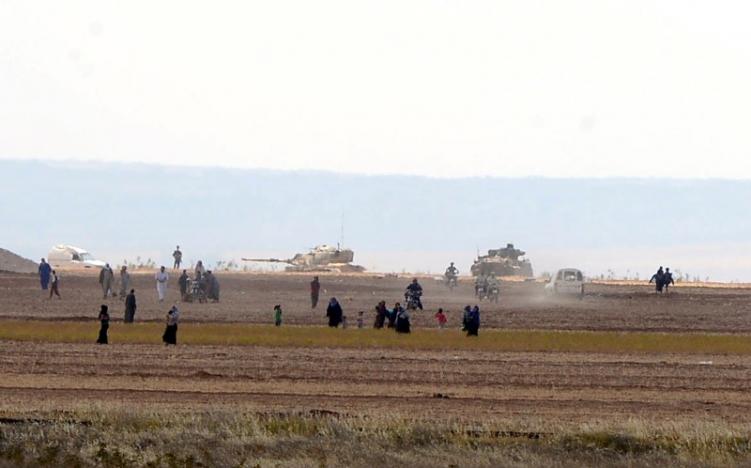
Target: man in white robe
{"x":161,"y":283}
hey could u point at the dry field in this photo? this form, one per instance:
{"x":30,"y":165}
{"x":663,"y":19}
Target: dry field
{"x":419,"y":395}
{"x":251,"y":298}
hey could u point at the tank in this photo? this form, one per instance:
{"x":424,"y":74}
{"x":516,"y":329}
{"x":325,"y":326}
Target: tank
{"x":319,"y":258}
{"x":503,"y":262}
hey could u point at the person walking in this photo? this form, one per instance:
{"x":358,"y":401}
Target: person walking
{"x":183,"y":281}
{"x":178,"y":256}
{"x":124,"y":282}
{"x":465,"y":317}
{"x":130,"y":306}
{"x":170,"y":332}
{"x":54,"y":283}
{"x":403,"y":321}
{"x":659,"y":280}
{"x":212,"y":287}
{"x":106,"y":278}
{"x":161,"y":283}
{"x":315,"y":289}
{"x":473,"y":321}
{"x":668,"y":279}
{"x":380,"y":317}
{"x":440,"y":317}
{"x":104,"y":325}
{"x":334,"y":313}
{"x":44,"y":274}
{"x":277,"y":315}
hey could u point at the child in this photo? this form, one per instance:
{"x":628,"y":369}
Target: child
{"x":360,"y":319}
{"x":278,"y":315}
{"x":441,"y":318}
{"x":54,"y":282}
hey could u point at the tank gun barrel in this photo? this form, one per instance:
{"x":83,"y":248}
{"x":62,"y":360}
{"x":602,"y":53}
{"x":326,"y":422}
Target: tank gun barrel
{"x":268,"y":260}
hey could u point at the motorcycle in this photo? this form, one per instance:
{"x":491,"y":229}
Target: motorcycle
{"x":480,"y":292}
{"x":413,"y":300}
{"x":450,"y":281}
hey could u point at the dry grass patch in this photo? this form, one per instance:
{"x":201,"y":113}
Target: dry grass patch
{"x":424,"y":339}
{"x":106,"y":437}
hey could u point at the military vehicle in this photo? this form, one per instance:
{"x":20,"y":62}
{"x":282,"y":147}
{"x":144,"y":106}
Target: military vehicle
{"x":503,"y":262}
{"x":319,"y":258}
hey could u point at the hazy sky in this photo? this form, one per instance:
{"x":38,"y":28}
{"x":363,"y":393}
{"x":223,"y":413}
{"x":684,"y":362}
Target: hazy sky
{"x":443,"y":88}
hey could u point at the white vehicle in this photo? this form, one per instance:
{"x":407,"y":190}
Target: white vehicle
{"x":566,"y":281}
{"x":68,"y":256}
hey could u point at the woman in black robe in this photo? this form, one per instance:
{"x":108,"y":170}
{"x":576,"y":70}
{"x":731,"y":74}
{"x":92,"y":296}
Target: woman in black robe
{"x":402,"y":322}
{"x":130,"y":306}
{"x":334,"y":313}
{"x":104,"y":320}
{"x":473,"y":322}
{"x":170,"y":332}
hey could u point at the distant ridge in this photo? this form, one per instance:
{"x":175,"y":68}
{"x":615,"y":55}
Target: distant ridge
{"x":13,"y":263}
{"x":617,"y":227}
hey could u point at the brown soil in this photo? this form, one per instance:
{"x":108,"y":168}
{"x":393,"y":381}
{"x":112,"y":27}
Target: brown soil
{"x":251,"y":298}
{"x":461,"y":385}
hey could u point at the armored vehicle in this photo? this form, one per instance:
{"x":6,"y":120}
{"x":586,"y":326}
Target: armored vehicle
{"x":319,"y":258}
{"x":503,"y":262}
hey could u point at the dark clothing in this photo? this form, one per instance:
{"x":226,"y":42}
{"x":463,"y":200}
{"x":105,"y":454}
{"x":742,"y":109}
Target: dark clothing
{"x":380,"y":318}
{"x":473,"y":322}
{"x":415,"y":288}
{"x":315,"y":289}
{"x":178,"y":256}
{"x":104,"y":320}
{"x":402,"y":322}
{"x":414,"y":292}
{"x":212,"y":287}
{"x":334,"y":313}
{"x":183,"y":282}
{"x":130,"y":307}
{"x":413,"y":300}
{"x":170,"y":332}
{"x":44,"y":274}
{"x":392,"y":315}
{"x":170,"y":335}
{"x":659,"y":280}
{"x":667,"y":280}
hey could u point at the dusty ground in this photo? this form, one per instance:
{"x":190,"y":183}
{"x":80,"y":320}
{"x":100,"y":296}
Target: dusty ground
{"x":453,"y":384}
{"x":251,"y":297}
{"x":475,"y":386}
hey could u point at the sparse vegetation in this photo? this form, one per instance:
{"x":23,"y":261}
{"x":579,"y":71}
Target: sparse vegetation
{"x":140,"y":264}
{"x":117,"y":438}
{"x":308,"y":336}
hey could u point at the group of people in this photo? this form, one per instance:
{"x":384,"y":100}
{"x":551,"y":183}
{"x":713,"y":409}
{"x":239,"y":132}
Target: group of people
{"x":399,"y":318}
{"x":663,"y":279}
{"x":169,"y":337}
{"x":203,"y":286}
{"x":485,"y":283}
{"x":49,"y":279}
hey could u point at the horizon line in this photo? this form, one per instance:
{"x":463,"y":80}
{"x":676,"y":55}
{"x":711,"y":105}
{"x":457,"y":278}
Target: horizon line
{"x":84,"y":163}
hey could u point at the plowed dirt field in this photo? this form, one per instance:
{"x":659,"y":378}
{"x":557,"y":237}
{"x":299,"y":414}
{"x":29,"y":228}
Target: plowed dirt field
{"x":446,"y":384}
